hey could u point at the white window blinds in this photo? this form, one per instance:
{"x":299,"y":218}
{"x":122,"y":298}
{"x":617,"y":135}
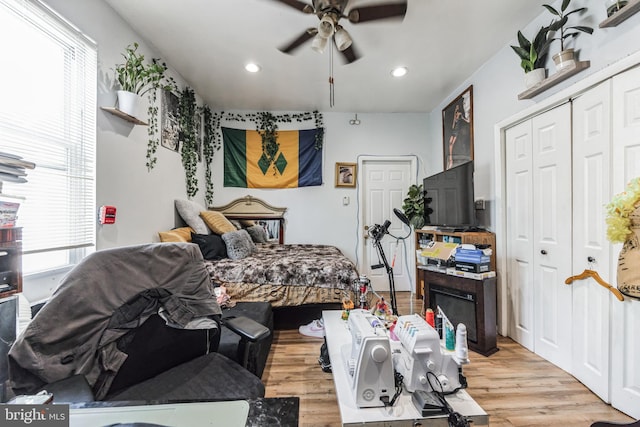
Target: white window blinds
{"x":48,"y":116}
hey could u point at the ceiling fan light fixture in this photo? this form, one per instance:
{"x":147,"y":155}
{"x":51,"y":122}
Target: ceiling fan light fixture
{"x":342,"y":38}
{"x":399,"y":71}
{"x":326,"y":26}
{"x":252,"y":67}
{"x":319,"y":43}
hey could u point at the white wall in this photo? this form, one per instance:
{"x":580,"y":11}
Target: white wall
{"x":498,"y":82}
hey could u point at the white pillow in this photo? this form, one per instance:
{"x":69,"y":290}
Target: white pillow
{"x":190,"y":213}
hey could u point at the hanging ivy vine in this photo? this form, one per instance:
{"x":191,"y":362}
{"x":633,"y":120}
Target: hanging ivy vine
{"x":188,"y":141}
{"x":210,"y":145}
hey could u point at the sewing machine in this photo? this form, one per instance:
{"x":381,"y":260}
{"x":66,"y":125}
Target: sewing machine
{"x":368,"y":360}
{"x":418,"y":352}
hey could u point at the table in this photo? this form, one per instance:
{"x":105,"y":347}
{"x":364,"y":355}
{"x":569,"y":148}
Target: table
{"x":403,"y":413}
{"x":262,"y":412}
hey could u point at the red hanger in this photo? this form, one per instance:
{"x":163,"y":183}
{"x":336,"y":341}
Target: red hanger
{"x":594,"y":275}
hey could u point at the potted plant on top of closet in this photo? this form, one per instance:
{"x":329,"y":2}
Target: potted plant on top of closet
{"x":137,"y":78}
{"x":533,"y":55}
{"x":565,"y":57}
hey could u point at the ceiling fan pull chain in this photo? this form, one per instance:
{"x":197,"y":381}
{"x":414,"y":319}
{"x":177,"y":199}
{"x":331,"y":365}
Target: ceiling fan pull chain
{"x":331,"y":87}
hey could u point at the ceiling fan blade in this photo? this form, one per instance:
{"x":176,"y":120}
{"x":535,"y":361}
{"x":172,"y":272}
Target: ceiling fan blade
{"x":350,"y":54}
{"x":296,"y":4}
{"x":381,"y":11}
{"x":307,"y":35}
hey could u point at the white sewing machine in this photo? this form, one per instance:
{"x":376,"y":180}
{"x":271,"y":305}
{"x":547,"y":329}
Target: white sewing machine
{"x":368,"y":360}
{"x":418,"y":352}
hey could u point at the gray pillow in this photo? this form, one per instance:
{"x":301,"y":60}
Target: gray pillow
{"x":190,"y":213}
{"x":257,"y":233}
{"x":239,"y":244}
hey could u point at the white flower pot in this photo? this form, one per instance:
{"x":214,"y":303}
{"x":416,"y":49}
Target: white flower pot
{"x":534,"y":77}
{"x":128,"y":103}
{"x":564,"y":59}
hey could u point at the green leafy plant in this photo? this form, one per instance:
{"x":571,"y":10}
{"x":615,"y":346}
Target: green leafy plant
{"x":533,"y":54}
{"x":559,"y":23}
{"x":188,"y":138}
{"x":413,"y":206}
{"x":210,"y":145}
{"x":134,"y":75}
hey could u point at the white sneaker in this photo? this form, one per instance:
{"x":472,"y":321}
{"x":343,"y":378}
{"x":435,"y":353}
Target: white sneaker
{"x":314,"y":329}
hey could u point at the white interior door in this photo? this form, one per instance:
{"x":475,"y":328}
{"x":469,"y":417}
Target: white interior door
{"x":519,"y":181}
{"x":384,"y":184}
{"x":591,"y":250}
{"x":625,"y":372}
{"x":551,"y":141}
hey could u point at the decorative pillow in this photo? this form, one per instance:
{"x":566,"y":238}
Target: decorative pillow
{"x":247,"y":223}
{"x":190,"y":213}
{"x":239,"y":244}
{"x":211,"y":245}
{"x":236,"y":223}
{"x":217,"y":222}
{"x":257,"y":234}
{"x":182,"y":234}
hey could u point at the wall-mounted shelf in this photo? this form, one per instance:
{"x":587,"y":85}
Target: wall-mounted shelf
{"x":124,"y":116}
{"x":554,"y":79}
{"x":630,"y":9}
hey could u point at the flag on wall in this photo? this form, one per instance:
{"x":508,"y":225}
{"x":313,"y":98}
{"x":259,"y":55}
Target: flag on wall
{"x":296,"y":163}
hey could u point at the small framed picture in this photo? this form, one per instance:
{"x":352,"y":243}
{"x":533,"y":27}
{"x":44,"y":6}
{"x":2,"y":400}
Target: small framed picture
{"x":457,"y":130}
{"x":345,"y":174}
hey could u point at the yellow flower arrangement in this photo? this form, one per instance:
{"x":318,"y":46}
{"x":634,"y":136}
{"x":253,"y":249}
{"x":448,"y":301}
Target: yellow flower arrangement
{"x":618,"y":210}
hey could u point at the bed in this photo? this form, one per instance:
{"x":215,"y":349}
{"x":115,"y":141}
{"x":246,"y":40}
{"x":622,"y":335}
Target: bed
{"x":299,"y":280}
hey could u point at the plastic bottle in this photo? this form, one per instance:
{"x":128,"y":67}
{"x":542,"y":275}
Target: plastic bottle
{"x":450,"y":337}
{"x":429,"y":316}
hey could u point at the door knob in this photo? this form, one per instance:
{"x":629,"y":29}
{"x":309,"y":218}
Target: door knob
{"x":543,"y":252}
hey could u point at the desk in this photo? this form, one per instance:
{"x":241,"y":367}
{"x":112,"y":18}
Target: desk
{"x":403,"y":413}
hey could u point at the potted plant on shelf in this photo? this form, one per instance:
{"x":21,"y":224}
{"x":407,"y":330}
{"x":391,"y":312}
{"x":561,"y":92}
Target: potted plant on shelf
{"x":533,"y":55}
{"x":565,"y":57}
{"x":413,"y":206}
{"x":137,"y":78}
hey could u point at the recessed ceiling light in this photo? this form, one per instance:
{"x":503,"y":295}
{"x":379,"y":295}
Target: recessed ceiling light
{"x":399,"y":72}
{"x":252,"y":68}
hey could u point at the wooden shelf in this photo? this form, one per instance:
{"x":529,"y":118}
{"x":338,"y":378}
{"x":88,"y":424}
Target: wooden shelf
{"x":630,"y":9}
{"x":124,"y":116}
{"x":554,"y":79}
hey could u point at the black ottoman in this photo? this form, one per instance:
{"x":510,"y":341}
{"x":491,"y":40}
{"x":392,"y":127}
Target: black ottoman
{"x":230,"y":344}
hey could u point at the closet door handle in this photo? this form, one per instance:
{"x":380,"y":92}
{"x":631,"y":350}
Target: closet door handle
{"x":543,"y":252}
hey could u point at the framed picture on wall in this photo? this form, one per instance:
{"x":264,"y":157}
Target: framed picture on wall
{"x":457,"y":130}
{"x":169,"y":126}
{"x":345,"y":174}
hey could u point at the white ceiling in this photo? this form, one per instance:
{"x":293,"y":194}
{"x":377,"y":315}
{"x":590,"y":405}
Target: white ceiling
{"x":442,"y":42}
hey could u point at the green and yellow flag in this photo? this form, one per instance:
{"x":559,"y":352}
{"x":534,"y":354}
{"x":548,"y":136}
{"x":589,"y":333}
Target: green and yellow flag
{"x":293,"y":162}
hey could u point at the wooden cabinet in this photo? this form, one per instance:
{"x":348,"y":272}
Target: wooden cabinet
{"x":472,"y":237}
{"x":468,"y":301}
{"x":10,"y":261}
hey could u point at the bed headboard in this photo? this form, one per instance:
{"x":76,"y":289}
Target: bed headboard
{"x":252,"y":208}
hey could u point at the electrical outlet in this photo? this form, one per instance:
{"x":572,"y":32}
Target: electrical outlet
{"x":479,"y":204}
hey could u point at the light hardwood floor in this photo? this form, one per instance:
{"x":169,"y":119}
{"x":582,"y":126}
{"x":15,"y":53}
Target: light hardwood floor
{"x":514,"y":386}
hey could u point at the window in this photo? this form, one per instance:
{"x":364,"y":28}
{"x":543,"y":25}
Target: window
{"x":48,"y":117}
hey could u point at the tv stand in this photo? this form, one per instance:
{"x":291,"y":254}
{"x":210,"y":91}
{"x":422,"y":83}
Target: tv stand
{"x":440,"y":235}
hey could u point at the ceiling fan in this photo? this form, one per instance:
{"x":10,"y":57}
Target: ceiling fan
{"x":330,"y":12}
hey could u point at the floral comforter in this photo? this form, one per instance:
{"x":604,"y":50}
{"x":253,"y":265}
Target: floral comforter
{"x":276,"y":269}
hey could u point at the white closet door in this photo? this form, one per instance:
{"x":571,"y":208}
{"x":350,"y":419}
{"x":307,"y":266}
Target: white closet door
{"x":591,"y":250}
{"x":625,"y":372}
{"x":519,"y":164}
{"x":552,"y":218}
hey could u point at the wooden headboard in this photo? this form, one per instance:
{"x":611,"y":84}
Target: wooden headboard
{"x":252,"y":208}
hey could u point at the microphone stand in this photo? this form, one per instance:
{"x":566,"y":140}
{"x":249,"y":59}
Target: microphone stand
{"x":392,"y":285}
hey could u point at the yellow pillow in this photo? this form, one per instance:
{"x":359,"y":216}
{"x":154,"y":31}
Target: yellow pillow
{"x":182,"y":234}
{"x":217,"y":222}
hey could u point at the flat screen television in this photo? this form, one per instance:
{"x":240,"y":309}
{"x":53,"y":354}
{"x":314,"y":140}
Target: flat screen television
{"x":449,"y":200}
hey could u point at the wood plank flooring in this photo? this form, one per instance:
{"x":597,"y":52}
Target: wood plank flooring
{"x":514,"y":386}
